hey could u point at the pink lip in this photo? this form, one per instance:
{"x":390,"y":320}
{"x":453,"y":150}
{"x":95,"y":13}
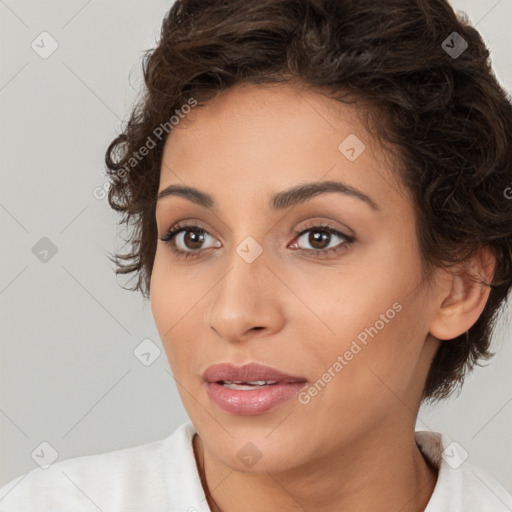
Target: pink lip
{"x":252,"y":401}
{"x":246,"y":373}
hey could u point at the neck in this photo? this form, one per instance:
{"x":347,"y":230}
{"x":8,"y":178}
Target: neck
{"x":385,"y":470}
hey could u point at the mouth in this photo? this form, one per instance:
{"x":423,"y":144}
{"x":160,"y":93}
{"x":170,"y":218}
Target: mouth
{"x":250,"y":389}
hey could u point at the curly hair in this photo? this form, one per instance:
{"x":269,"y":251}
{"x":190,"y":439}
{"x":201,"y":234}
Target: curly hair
{"x":421,"y":66}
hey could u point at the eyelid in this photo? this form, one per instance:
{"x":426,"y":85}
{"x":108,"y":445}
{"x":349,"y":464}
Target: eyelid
{"x":322,"y":224}
{"x":183,"y":226}
{"x":315,"y":220}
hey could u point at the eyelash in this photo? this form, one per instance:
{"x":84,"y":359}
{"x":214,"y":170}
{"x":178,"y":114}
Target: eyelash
{"x":178,"y":228}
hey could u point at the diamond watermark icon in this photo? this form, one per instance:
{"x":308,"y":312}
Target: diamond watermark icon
{"x":44,"y":250}
{"x":44,"y":45}
{"x":352,"y":147}
{"x":454,"y":455}
{"x":454,"y":45}
{"x":45,"y":455}
{"x":146,"y":352}
{"x":249,"y":454}
{"x":249,"y":249}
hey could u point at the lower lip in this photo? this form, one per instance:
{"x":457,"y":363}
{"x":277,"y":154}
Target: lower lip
{"x":252,"y":401}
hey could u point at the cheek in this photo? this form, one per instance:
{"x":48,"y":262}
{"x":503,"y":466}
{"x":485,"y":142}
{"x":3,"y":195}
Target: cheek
{"x":170,"y":294}
{"x":369,"y":316}
{"x":165,"y":302}
{"x":355,"y":384}
{"x":351,"y":303}
{"x":177,"y":313}
{"x":158,"y":298}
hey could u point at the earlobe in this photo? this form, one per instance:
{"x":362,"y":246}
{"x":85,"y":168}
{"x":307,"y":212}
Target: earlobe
{"x":463,"y":295}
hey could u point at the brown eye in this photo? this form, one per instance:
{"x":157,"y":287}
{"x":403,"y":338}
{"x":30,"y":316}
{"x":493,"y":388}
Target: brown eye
{"x":187,"y":240}
{"x":322,"y":240}
{"x":318,"y":239}
{"x":193,"y":239}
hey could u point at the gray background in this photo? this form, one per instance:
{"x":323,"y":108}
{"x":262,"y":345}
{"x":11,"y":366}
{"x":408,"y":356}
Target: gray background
{"x":68,"y":372}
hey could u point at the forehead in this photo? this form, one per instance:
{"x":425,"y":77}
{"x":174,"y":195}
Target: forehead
{"x":293,"y":111}
{"x":263,"y":138}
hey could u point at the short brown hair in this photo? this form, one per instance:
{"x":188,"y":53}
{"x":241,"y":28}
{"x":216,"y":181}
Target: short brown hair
{"x":445,"y":110}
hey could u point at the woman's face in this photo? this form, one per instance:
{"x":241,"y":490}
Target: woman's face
{"x":351,"y":317}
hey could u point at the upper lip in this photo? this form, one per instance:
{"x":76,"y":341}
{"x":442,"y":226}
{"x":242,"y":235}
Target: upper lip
{"x":247,"y":373}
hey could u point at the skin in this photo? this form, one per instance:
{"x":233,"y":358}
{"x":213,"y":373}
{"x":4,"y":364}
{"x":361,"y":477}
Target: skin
{"x":352,"y":446}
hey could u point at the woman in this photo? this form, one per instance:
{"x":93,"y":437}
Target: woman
{"x":320,"y":221}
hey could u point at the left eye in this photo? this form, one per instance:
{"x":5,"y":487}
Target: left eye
{"x":322,"y":239}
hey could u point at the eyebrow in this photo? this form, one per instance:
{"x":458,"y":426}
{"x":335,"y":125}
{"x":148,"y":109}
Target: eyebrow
{"x":281,"y":200}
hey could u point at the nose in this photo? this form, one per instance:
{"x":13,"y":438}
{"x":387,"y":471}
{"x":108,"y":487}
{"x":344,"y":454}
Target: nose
{"x":246,"y":301}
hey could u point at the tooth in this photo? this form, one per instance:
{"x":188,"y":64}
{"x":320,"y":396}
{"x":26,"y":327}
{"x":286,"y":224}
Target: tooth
{"x":240,"y":385}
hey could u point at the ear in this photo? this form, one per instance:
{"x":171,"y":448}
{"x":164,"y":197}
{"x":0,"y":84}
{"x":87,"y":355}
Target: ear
{"x":462,"y":295}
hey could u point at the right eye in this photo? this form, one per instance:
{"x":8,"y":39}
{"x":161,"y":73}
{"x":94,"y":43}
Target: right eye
{"x":186,"y":240}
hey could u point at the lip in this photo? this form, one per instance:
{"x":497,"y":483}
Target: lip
{"x":250,"y":402}
{"x":253,"y":401}
{"x":247,"y":373}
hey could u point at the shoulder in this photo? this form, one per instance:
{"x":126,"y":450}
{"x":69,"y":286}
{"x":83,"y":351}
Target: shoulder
{"x":127,"y":479}
{"x":460,"y":484}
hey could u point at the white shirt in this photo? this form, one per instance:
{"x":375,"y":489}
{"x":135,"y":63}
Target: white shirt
{"x":162,"y":476}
